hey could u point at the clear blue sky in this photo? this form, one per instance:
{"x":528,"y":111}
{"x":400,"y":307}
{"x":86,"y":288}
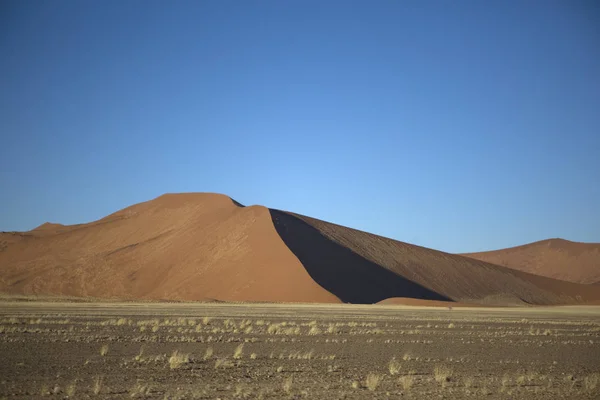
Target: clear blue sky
{"x":457,"y":125}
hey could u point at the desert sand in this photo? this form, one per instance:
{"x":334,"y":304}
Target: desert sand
{"x":202,"y":246}
{"x":554,"y":258}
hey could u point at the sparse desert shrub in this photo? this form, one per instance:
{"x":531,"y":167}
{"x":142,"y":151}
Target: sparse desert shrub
{"x":407,"y":356}
{"x":287,"y":385}
{"x":239,"y":351}
{"x":140,"y":389}
{"x":407,"y":382}
{"x":372,"y":381}
{"x":355,"y":385}
{"x":71,"y":388}
{"x":177,"y":359}
{"x":280,"y":369}
{"x":468,"y":382}
{"x":591,"y":382}
{"x":253,"y":356}
{"x":521,"y":380}
{"x":442,"y":374}
{"x":314,"y":330}
{"x":451,"y":325}
{"x":97,"y":387}
{"x":394,"y":366}
{"x":208,"y":353}
{"x":104,"y":349}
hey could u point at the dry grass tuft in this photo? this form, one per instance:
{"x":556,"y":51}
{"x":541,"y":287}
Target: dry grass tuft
{"x":287,"y":385}
{"x":407,"y":382}
{"x":208,"y":353}
{"x":140,"y":389}
{"x":442,"y":374}
{"x":177,"y":359}
{"x":372,"y":381}
{"x":104,"y":350}
{"x":71,"y":388}
{"x":98,"y":381}
{"x":394,"y":366}
{"x":314,"y":330}
{"x":239,"y":351}
{"x":591,"y":382}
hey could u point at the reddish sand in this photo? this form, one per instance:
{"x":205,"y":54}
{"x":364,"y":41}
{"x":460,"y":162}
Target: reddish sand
{"x":554,"y":258}
{"x":178,"y":246}
{"x":205,"y":246}
{"x":426,"y":274}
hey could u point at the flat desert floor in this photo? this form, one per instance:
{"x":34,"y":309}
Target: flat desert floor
{"x":229,"y":351}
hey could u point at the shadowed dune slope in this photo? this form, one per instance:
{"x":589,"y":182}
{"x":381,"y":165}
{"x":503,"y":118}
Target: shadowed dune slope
{"x":177,"y":246}
{"x":554,"y":258}
{"x":347,"y":263}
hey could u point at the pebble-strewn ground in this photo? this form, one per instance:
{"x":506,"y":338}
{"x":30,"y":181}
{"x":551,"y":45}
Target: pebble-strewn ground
{"x":223,"y":351}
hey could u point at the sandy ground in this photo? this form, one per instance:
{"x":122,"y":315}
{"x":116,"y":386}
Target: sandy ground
{"x":228,"y":351}
{"x":554,"y":258}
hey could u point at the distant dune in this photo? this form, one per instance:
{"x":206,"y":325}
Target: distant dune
{"x":203,"y":246}
{"x":554,"y":258}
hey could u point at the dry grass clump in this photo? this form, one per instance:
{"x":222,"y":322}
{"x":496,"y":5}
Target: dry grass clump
{"x":208,"y":353}
{"x":372,"y":381}
{"x":71,"y":388}
{"x":591,"y":382}
{"x":97,"y":387}
{"x":177,"y":359}
{"x":140,"y":389}
{"x":104,"y":349}
{"x":287,"y":385}
{"x":442,"y":374}
{"x":394,"y":366}
{"x":239,"y":351}
{"x":314,"y":330}
{"x":407,"y":382}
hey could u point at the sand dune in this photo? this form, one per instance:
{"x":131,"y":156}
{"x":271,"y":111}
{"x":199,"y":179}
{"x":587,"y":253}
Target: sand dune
{"x":554,"y":258}
{"x":178,"y":246}
{"x":208,"y":247}
{"x":330,"y":252}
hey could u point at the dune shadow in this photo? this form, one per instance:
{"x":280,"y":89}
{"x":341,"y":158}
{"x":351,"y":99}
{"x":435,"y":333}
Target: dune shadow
{"x":237,"y":203}
{"x":349,"y":276}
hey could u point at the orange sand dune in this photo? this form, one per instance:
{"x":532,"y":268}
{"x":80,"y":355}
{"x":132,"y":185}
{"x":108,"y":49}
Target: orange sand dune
{"x":206,"y":246}
{"x":178,"y":246}
{"x":361,"y":267}
{"x":554,"y":258}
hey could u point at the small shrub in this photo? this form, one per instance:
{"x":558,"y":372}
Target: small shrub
{"x":239,"y":351}
{"x":372,"y":381}
{"x":442,"y":374}
{"x":394,"y":366}
{"x":407,"y":382}
{"x":177,"y":359}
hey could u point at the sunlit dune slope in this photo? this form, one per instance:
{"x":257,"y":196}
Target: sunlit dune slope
{"x":178,"y":246}
{"x":554,"y":258}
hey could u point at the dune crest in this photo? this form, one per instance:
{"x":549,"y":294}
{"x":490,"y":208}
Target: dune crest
{"x":178,"y":246}
{"x":555,"y":258}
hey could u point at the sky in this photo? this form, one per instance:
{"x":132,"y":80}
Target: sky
{"x":457,"y":125}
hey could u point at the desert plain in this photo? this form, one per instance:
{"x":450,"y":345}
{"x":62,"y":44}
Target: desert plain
{"x":296,"y":351}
